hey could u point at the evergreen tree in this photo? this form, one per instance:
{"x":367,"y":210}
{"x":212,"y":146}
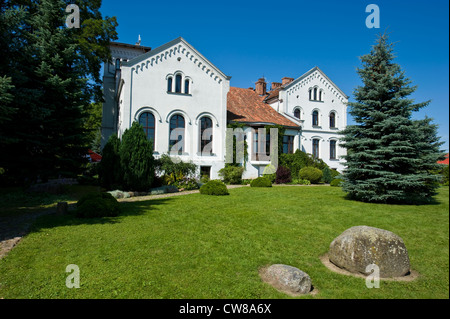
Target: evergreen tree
{"x":390,"y":155}
{"x":136,"y":159}
{"x":55,"y":74}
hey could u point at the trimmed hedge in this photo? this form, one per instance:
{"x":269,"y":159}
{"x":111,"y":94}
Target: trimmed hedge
{"x":337,"y":182}
{"x":261,"y":182}
{"x":214,"y":187}
{"x":97,"y":205}
{"x":312,"y":174}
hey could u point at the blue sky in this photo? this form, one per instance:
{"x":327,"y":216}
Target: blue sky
{"x":250,"y":39}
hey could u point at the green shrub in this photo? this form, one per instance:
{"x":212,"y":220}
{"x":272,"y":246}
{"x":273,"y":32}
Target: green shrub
{"x":261,"y":182}
{"x":214,"y":187}
{"x":173,"y":170}
{"x":301,"y":182}
{"x":298,"y":160}
{"x":97,"y":205}
{"x":186,"y":184}
{"x":312,"y":174}
{"x":232,"y":174}
{"x":327,"y":176}
{"x":136,"y":159}
{"x":337,"y":182}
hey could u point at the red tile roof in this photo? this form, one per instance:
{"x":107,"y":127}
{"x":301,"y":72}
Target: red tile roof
{"x":246,"y":106}
{"x":445,"y":161}
{"x":95,"y":158}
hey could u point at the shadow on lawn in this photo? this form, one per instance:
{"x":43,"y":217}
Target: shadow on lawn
{"x":15,"y":227}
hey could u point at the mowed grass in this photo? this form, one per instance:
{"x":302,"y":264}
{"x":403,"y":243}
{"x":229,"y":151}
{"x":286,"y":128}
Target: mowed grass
{"x":199,"y":246}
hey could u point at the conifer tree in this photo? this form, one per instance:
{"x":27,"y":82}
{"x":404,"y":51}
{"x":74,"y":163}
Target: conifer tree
{"x":55,"y":75}
{"x":390,"y":155}
{"x":136,"y":159}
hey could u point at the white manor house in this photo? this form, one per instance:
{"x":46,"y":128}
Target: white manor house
{"x":185,"y":103}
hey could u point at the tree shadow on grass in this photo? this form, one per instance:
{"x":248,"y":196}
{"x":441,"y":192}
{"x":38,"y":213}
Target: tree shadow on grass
{"x":12,"y":228}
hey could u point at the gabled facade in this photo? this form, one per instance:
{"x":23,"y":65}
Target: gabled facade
{"x":185,"y":103}
{"x":179,"y":97}
{"x":320,"y":107}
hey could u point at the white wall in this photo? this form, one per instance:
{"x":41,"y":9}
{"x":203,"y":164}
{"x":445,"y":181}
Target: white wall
{"x":296,"y":95}
{"x":145,"y":89}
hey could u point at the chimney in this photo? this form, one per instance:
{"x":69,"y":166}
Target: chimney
{"x":261,"y":86}
{"x":276,"y":85}
{"x":287,"y":80}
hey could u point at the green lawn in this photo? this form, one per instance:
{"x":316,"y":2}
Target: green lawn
{"x":199,"y":246}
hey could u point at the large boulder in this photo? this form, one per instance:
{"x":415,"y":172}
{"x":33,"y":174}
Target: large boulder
{"x":287,"y":279}
{"x":360,"y":246}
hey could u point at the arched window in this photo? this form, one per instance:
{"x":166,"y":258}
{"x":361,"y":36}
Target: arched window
{"x":169,"y":84}
{"x":177,"y":134}
{"x":186,"y":86}
{"x":333,"y":149}
{"x":297,"y":113}
{"x":310,"y":94}
{"x":332,"y":120}
{"x":315,"y":150}
{"x":320,"y":95}
{"x":147,"y":121}
{"x":178,"y":80}
{"x":315,"y":94}
{"x":315,"y":118}
{"x":206,"y":136}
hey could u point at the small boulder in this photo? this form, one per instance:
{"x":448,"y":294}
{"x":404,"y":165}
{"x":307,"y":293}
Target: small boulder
{"x":287,"y":279}
{"x":360,"y":246}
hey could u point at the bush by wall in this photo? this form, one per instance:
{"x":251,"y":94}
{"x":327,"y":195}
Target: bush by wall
{"x":312,"y":174}
{"x":232,"y":174}
{"x":214,"y":187}
{"x":296,"y":161}
{"x":136,"y":159}
{"x":97,"y":205}
{"x":261,"y":182}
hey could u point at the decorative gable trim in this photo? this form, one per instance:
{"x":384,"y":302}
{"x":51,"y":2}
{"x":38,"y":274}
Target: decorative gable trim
{"x":308,"y":77}
{"x":176,"y":48}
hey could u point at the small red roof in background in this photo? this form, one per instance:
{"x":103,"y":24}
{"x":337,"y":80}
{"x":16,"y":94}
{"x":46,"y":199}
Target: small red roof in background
{"x":95,"y":158}
{"x":445,"y":162}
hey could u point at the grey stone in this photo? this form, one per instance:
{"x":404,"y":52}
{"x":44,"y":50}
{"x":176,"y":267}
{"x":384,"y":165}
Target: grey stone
{"x":288,"y":279}
{"x":360,"y":246}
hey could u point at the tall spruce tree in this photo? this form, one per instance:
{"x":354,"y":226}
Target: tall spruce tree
{"x":390,"y":155}
{"x":55,"y":75}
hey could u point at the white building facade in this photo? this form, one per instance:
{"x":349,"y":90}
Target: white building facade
{"x":320,"y":107}
{"x":185,"y":103}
